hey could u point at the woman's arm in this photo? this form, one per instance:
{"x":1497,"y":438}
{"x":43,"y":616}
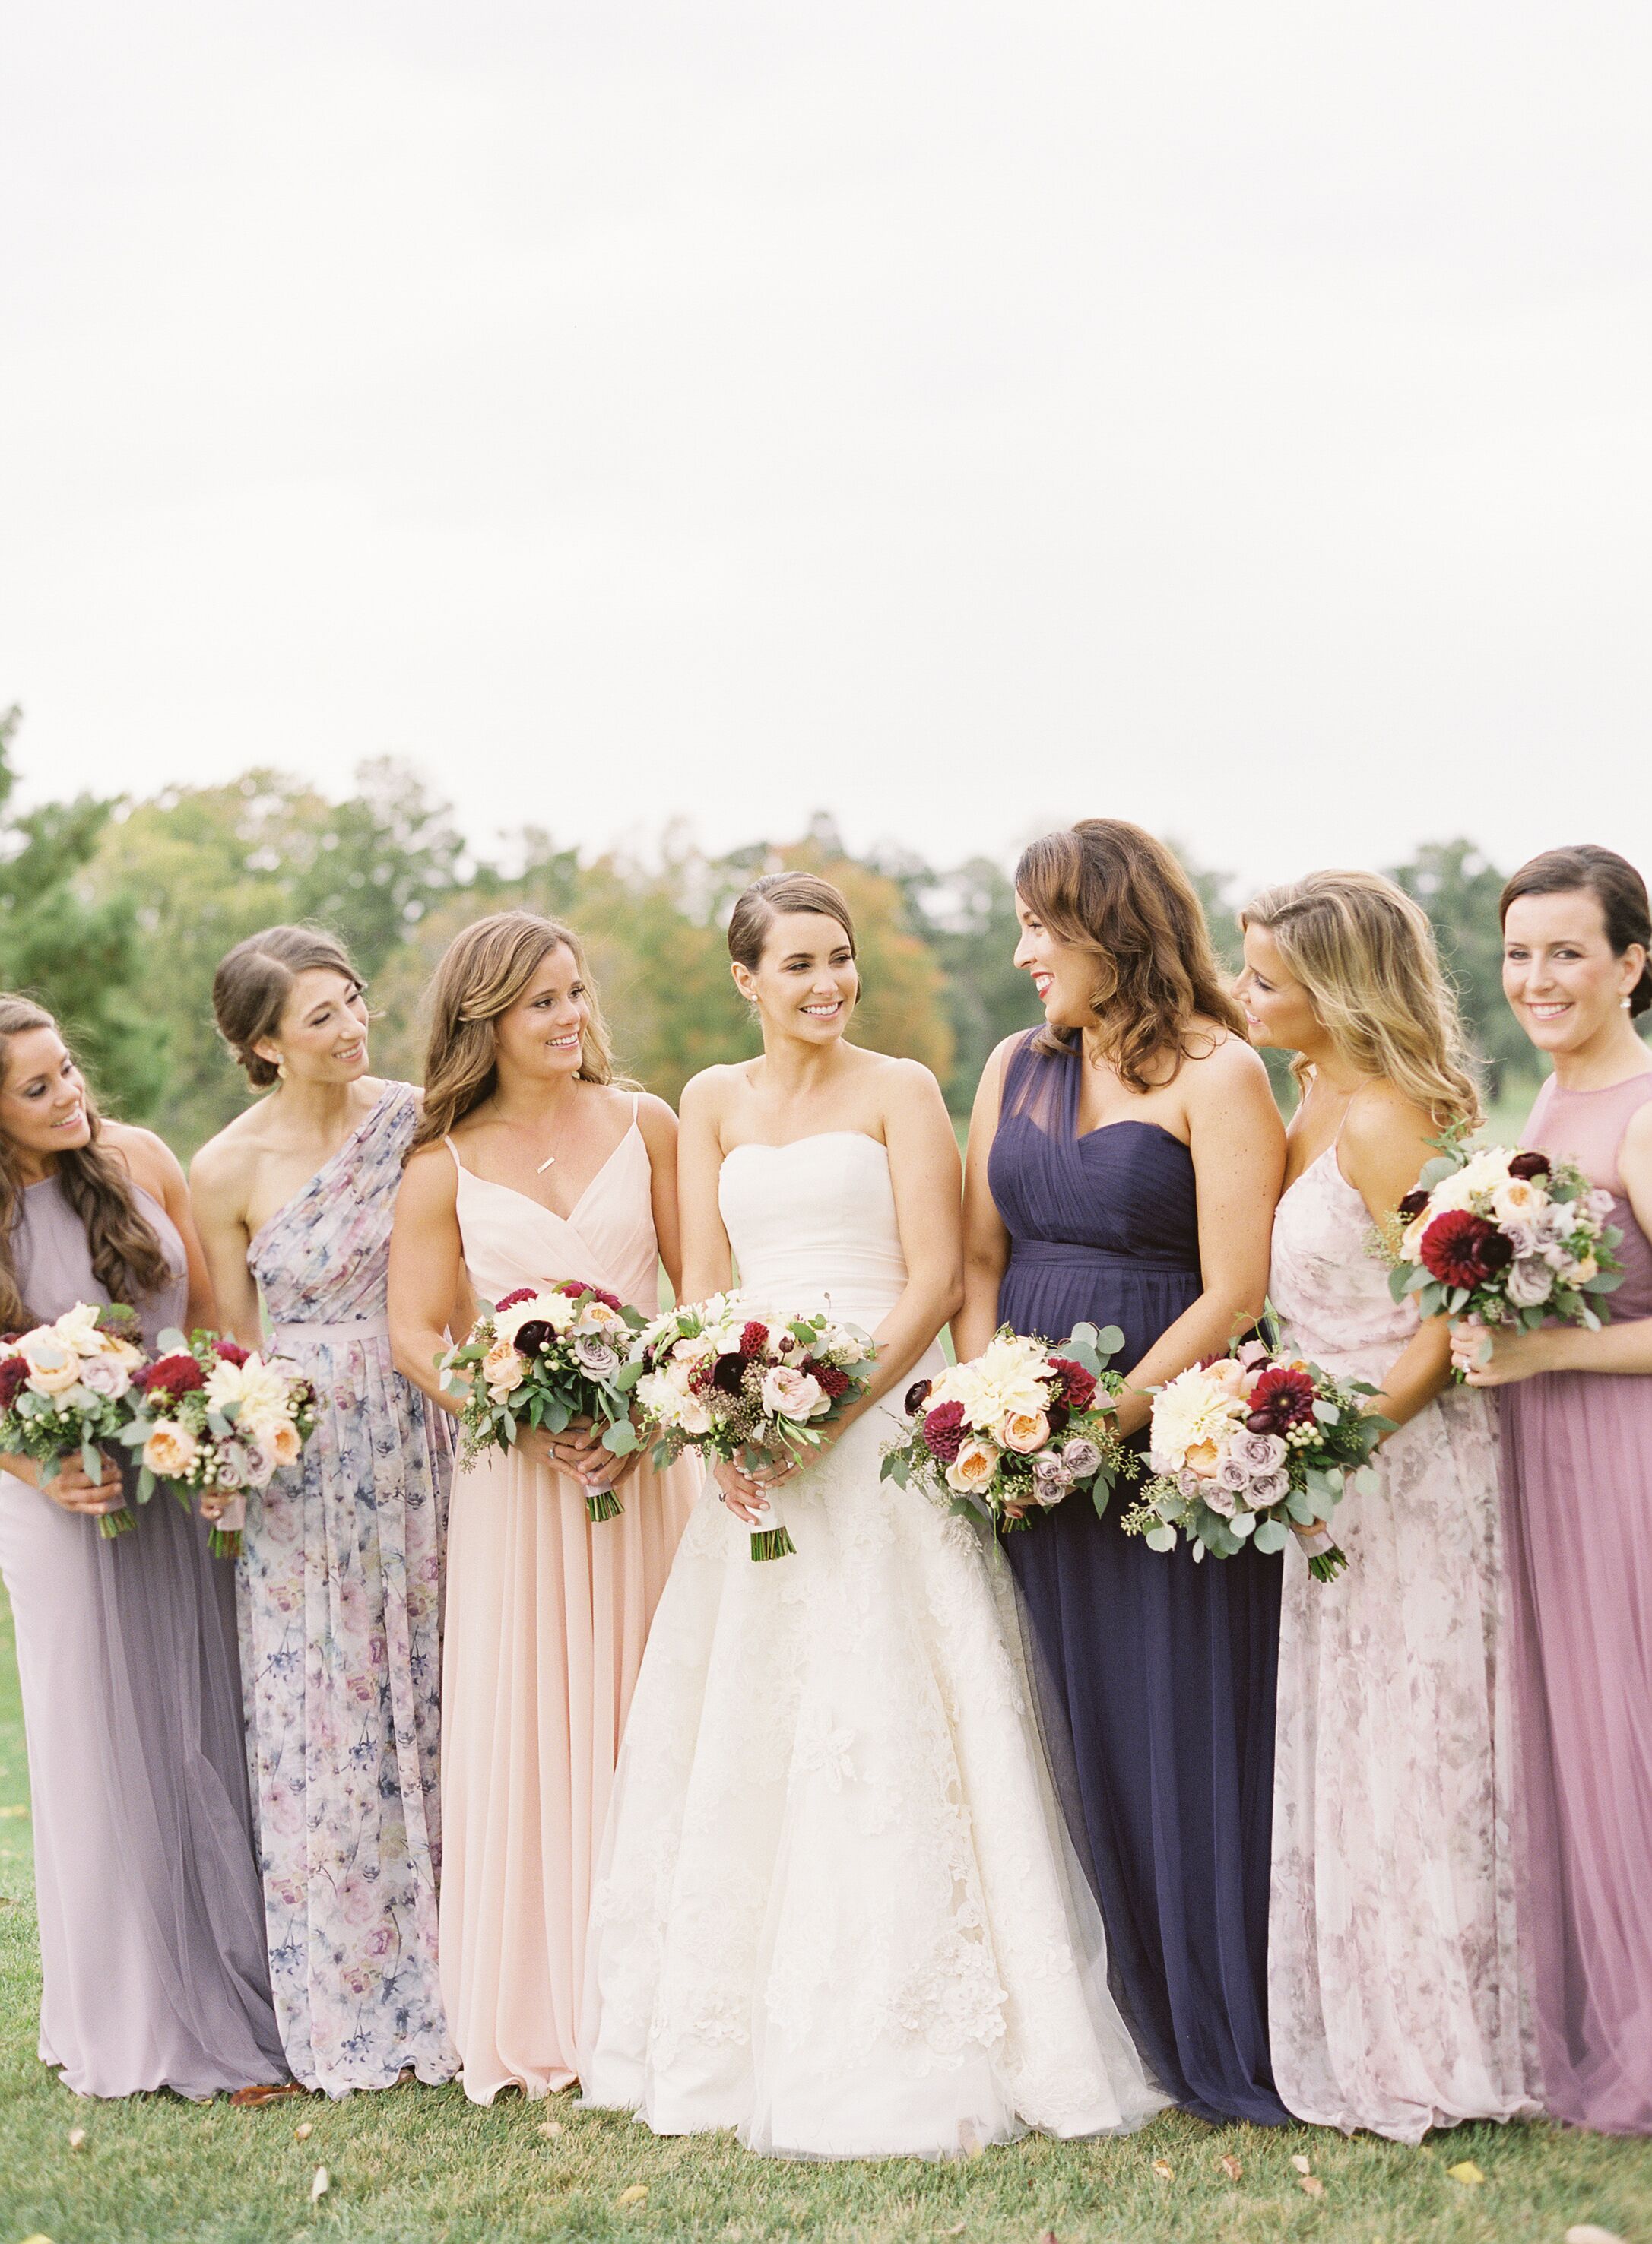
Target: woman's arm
{"x":986,"y":1243}
{"x":1625,"y":1348}
{"x":925,"y":1173}
{"x":219,"y":1177}
{"x":1385,"y":1142}
{"x":1237,"y":1142}
{"x":707,"y":1259}
{"x":659,"y":1128}
{"x":427,"y":1276}
{"x":157,"y":1168}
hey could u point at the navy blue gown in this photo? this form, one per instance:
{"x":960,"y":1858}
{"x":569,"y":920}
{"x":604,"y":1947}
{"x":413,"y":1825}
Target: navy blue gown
{"x":1156,"y":1676}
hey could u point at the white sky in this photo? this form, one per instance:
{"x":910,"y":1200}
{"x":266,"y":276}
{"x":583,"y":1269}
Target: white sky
{"x":959,"y":418}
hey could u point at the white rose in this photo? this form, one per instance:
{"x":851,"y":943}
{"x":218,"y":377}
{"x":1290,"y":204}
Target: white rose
{"x":105,"y":1375}
{"x":795,"y":1395}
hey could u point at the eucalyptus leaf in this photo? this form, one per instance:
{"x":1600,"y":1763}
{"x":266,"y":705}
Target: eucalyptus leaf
{"x":621,"y":1439}
{"x":1161,"y":1538}
{"x":1270,"y":1535}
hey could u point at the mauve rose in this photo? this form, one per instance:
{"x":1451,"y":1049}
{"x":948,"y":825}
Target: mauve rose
{"x":1599,"y":1205}
{"x":595,"y":1356}
{"x":1529,"y":1283}
{"x":1052,"y":1474}
{"x":104,"y":1377}
{"x":1224,"y":1500}
{"x":1272,"y":1488}
{"x":1261,"y":1453}
{"x":1232,"y":1475}
{"x":1081,"y":1458}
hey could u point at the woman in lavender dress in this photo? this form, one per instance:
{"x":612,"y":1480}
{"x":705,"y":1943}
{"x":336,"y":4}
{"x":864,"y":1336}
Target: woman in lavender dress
{"x":1577,"y":1490}
{"x":152,"y":1937}
{"x":1123,"y":1167}
{"x":341,"y":1581}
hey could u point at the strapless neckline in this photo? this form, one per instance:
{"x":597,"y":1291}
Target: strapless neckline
{"x":810,"y":1137}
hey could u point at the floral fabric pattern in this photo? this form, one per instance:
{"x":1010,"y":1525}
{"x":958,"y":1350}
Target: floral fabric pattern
{"x":1395,"y":1991}
{"x":341,"y":1608}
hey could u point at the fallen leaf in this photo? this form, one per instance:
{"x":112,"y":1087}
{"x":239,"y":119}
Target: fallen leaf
{"x":549,"y":2126}
{"x":1585,"y":2233}
{"x":319,"y":2186}
{"x":1312,"y":2184}
{"x":1231,"y":2167}
{"x":77,"y":2139}
{"x":1163,"y":2168}
{"x":637,"y":2194}
{"x":303,"y":2134}
{"x":1300,"y":2163}
{"x":1467,"y":2173}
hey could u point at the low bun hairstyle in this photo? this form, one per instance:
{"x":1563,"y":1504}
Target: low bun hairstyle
{"x":1615,"y":886}
{"x":254,"y":981}
{"x":1110,"y":888}
{"x":126,"y":1257}
{"x":758,"y":908}
{"x":484,"y":971}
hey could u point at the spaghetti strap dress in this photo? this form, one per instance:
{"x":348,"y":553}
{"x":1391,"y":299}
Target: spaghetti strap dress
{"x":152,"y":1928}
{"x":1157,"y":1675}
{"x":547,"y":1614}
{"x":341,"y":1642}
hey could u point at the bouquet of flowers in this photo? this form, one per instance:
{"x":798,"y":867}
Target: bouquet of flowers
{"x":546,"y":1359}
{"x":1017,"y":1429}
{"x":66,"y":1388}
{"x":1242,"y":1447}
{"x":1506,"y":1239}
{"x":209,"y":1413}
{"x":730,"y":1378}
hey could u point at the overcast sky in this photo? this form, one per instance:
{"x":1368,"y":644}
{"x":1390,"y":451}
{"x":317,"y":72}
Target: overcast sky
{"x":962,"y":418}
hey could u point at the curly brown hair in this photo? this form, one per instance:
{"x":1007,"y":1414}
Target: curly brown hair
{"x":1110,"y":888}
{"x":126,"y":1256}
{"x":484,"y":971}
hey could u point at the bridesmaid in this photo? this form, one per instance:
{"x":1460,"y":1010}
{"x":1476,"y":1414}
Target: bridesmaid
{"x":1577,"y":1493}
{"x":341,"y":1584}
{"x":1123,"y":1166}
{"x":531,"y":1166}
{"x":152,"y":1937}
{"x":1394,"y":1981}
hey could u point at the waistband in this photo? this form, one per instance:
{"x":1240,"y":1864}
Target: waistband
{"x":1071,"y":1250}
{"x":322,"y":1336}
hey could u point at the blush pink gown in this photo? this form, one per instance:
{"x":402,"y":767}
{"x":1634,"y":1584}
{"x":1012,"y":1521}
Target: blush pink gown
{"x":1577,"y":1493}
{"x":546,"y":1619}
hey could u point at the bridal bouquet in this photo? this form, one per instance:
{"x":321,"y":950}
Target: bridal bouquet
{"x":730,"y":1378}
{"x":211,"y":1415}
{"x":65,"y":1390}
{"x":1242,"y":1447}
{"x":548,"y":1359}
{"x":1017,"y":1429}
{"x":1506,"y":1238}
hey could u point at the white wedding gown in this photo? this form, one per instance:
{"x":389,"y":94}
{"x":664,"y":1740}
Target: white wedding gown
{"x":835,"y":1908}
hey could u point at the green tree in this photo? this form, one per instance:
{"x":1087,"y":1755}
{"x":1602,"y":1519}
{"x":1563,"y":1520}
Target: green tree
{"x":1459,"y":888}
{"x":79,"y":954}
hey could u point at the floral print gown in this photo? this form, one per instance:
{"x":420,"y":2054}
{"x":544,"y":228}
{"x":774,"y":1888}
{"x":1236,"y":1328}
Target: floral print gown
{"x":341,"y":1608}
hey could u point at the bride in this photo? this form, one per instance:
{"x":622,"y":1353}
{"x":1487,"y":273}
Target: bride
{"x":834,"y":1909}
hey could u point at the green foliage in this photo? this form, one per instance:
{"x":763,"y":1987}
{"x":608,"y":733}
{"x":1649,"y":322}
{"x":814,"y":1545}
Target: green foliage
{"x":1458,"y":887}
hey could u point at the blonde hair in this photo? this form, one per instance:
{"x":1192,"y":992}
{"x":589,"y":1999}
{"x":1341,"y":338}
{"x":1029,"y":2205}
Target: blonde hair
{"x":1365,"y":954}
{"x":483,"y":972}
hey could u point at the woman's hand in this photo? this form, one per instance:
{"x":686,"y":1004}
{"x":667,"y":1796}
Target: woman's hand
{"x":72,"y":1491}
{"x":1488,"y":1357}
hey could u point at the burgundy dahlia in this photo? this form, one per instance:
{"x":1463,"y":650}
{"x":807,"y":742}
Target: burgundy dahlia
{"x":917,"y":1395}
{"x":754,"y":1339}
{"x":576,"y":1289}
{"x":831,"y":1378}
{"x":943,"y":1431}
{"x":1413,"y":1204}
{"x":1283,"y":1397}
{"x":1463,"y":1249}
{"x":522,"y":1293}
{"x":534,"y":1336}
{"x":730,"y":1374}
{"x":231,"y":1351}
{"x":13,"y":1373}
{"x":1529,"y":1165}
{"x":173,"y":1374}
{"x":1078,"y":1385}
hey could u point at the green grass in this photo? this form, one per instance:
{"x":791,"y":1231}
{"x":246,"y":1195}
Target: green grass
{"x":420,"y":2164}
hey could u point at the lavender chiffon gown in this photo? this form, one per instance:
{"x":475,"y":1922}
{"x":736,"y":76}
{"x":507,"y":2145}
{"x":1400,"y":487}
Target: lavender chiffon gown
{"x":1577,"y":1491}
{"x":1156,"y":1675}
{"x":151,"y":1927}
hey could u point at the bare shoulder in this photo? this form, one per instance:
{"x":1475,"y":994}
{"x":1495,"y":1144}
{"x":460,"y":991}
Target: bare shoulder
{"x":706,"y":1095}
{"x":149,"y":1159}
{"x":656,"y":1119}
{"x":1382,"y":1118}
{"x":1637,"y":1138}
{"x":1222,"y":1065}
{"x":903,"y":1086}
{"x":430,"y":1176}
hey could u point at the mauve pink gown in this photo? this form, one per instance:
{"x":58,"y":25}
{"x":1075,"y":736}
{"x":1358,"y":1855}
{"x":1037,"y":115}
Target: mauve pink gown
{"x":547,"y":1618}
{"x":1577,"y":1488}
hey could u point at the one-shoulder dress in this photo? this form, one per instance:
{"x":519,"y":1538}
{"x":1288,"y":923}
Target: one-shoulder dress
{"x":1157,"y":1675}
{"x":341,"y":1642}
{"x":151,"y":1927}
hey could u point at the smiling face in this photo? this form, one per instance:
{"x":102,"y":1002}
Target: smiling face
{"x":1278,"y":1009}
{"x":1064,"y":974}
{"x":1560,"y":974}
{"x":542,"y":1035}
{"x":805,"y":982}
{"x":43,"y":1098}
{"x":322,"y":1035}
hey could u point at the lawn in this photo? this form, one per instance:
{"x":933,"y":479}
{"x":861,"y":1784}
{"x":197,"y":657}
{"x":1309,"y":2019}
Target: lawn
{"x":422,"y":2164}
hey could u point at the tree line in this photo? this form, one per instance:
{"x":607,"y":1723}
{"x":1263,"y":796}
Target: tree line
{"x":114,"y":912}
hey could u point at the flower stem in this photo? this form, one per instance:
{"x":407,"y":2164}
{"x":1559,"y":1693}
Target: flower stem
{"x":1327,"y":1565}
{"x":602,"y":1503}
{"x":225,"y":1543}
{"x":111,"y":1524}
{"x":772,"y":1543}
